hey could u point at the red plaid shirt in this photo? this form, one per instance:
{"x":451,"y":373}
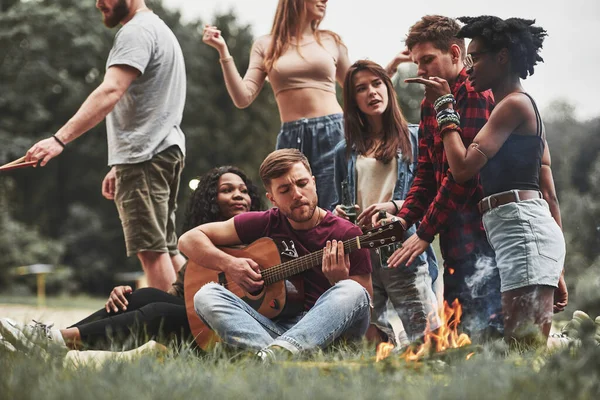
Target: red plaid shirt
{"x":444,"y":206}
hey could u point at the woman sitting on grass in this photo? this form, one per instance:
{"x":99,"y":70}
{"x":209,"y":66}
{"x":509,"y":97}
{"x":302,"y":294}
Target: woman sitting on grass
{"x":131,"y":318}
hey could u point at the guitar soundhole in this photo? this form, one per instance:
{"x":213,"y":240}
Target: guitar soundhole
{"x":256,"y":292}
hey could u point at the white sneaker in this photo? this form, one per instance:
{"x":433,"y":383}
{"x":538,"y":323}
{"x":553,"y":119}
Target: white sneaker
{"x":6,"y":345}
{"x":28,"y":337}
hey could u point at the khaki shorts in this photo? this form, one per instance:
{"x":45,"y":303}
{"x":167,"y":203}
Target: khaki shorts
{"x":146,"y":199}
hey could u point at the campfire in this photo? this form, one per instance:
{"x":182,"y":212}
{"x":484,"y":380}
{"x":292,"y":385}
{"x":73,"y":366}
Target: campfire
{"x":444,"y":338}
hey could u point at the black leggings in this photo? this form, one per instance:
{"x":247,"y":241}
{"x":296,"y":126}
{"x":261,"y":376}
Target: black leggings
{"x":151,"y":315}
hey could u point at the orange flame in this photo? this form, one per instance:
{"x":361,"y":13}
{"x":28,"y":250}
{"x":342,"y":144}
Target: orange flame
{"x":384,"y":349}
{"x":445,"y":337}
{"x":451,"y":271}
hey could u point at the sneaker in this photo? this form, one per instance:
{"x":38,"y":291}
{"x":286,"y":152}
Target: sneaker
{"x":271,"y":354}
{"x":572,"y":328}
{"x":29,"y":337}
{"x":6,"y":345}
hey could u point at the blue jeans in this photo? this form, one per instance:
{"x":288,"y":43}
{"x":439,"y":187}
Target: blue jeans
{"x":410,"y":292}
{"x":316,"y":138}
{"x":343,"y":310}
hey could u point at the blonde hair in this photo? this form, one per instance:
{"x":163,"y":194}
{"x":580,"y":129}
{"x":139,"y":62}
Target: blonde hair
{"x":288,"y":24}
{"x":279,"y":163}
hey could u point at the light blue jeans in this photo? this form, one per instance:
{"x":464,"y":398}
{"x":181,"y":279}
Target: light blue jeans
{"x":343,"y":310}
{"x":410,"y":292}
{"x":316,"y":138}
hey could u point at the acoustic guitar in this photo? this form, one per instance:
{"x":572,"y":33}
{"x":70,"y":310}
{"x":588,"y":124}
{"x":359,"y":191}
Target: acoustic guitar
{"x":283,"y":292}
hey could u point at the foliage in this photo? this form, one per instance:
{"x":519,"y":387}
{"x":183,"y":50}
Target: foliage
{"x":575,"y":150}
{"x":409,"y":95}
{"x":52,"y":56}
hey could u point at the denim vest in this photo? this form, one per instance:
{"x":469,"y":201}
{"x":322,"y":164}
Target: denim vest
{"x":346,"y":169}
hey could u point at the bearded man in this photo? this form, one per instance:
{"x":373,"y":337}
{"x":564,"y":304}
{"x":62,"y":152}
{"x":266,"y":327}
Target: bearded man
{"x":337,"y":293}
{"x":142,"y":98}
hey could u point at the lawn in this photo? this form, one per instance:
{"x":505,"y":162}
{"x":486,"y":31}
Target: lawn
{"x":340,"y":373}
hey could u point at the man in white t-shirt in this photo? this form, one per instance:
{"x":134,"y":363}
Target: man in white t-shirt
{"x":142,"y":98}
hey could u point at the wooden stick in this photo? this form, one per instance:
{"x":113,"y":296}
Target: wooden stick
{"x":12,"y":165}
{"x":17,"y":161}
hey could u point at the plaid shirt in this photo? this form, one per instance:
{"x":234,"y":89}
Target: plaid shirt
{"x":444,"y":206}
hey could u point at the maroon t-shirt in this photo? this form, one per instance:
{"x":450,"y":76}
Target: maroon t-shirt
{"x":251,"y":226}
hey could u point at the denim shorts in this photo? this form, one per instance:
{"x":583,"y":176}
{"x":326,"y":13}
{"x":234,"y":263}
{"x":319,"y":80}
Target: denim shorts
{"x":316,"y":139}
{"x":146,"y":198}
{"x":529,"y":244}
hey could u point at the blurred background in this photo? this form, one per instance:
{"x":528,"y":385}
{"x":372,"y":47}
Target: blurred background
{"x":53,"y":54}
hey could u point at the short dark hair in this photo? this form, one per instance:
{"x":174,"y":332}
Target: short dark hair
{"x":519,"y":36}
{"x":439,"y":30}
{"x":279,"y":163}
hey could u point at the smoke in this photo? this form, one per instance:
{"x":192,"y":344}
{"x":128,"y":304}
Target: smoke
{"x":485,"y":271}
{"x":484,"y":287}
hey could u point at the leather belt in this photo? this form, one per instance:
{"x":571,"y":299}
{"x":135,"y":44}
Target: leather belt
{"x":500,"y":199}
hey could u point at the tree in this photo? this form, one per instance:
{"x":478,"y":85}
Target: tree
{"x":52,"y":55}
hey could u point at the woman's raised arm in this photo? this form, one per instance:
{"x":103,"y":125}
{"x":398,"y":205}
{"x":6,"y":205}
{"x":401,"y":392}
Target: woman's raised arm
{"x":242,"y":91}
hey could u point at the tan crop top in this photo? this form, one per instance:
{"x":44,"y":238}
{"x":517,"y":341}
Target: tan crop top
{"x":318,"y":66}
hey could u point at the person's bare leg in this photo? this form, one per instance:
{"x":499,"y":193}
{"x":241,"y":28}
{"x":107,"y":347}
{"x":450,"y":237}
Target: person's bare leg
{"x":177,"y":260}
{"x":528,"y":314}
{"x":158,"y":268}
{"x":72,"y":338}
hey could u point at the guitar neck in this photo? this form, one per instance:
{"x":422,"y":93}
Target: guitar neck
{"x":304,"y":263}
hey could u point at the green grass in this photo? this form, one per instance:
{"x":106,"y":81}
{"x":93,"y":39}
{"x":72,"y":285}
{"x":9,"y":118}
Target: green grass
{"x":342,"y":373}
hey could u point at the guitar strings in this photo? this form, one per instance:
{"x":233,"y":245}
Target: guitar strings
{"x":279,"y":272}
{"x":298,"y":265}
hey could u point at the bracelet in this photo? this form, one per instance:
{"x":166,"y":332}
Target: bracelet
{"x":446,"y":112}
{"x":476,"y":147}
{"x":395,"y":206}
{"x":443,"y":100}
{"x":226,"y":59}
{"x":447,"y":116}
{"x":59,"y":141}
{"x":450,"y":128}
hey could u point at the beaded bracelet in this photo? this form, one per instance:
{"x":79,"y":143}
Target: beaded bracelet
{"x":448,"y":116}
{"x":442,"y":100}
{"x":59,"y":141}
{"x":450,"y":119}
{"x":446,"y":112}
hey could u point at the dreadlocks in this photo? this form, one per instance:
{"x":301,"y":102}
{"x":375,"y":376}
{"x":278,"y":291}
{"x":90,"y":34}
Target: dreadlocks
{"x":519,"y":36}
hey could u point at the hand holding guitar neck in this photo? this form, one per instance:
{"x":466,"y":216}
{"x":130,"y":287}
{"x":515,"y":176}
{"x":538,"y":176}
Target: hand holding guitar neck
{"x":336,"y":264}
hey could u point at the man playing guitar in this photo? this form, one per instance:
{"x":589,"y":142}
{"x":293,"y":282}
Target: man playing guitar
{"x":336,"y":301}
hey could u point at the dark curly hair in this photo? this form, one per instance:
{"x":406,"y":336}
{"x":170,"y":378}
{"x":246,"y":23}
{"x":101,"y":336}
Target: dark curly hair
{"x":519,"y":36}
{"x":203,"y":208}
